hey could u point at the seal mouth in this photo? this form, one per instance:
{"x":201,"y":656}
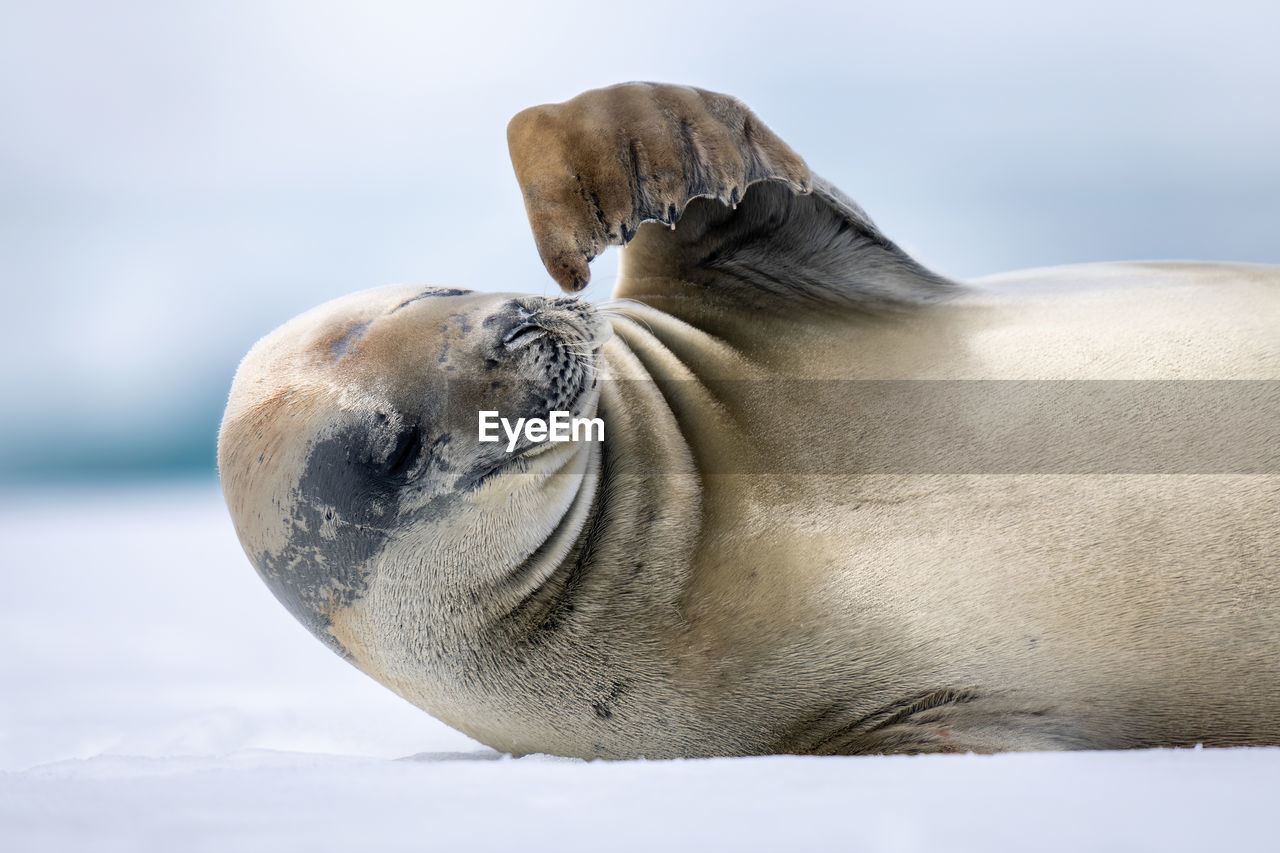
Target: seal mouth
{"x":564,"y":337}
{"x":556,"y":344}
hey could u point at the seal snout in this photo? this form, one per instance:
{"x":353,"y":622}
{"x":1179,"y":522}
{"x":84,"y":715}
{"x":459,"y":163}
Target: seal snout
{"x":574,"y":320}
{"x":525,"y":331}
{"x":527,"y":320}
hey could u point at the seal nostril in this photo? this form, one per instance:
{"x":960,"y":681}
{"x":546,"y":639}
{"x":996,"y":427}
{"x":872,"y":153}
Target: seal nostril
{"x":523,"y":334}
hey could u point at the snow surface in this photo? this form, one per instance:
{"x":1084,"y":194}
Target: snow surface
{"x":156,"y":697}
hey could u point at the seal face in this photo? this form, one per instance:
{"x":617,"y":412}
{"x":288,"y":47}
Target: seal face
{"x":360,"y":420}
{"x":785,"y":542}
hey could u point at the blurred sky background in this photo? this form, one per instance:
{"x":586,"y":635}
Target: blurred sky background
{"x":176,"y":179}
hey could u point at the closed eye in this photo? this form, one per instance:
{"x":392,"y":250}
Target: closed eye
{"x":404,"y":455}
{"x":523,"y":334}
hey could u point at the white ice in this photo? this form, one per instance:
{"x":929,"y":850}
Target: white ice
{"x":154,"y":696}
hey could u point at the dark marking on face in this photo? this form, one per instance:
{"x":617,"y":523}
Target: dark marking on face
{"x":429,"y":292}
{"x":463,"y":321}
{"x":316,"y":573}
{"x":406,"y":451}
{"x":347,"y":502}
{"x":344,"y":344}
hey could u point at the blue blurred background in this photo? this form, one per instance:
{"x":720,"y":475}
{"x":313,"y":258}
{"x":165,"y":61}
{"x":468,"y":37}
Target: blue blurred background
{"x":176,"y":179}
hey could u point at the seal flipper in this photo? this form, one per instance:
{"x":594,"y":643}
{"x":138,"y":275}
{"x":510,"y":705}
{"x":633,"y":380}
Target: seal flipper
{"x":778,"y":251}
{"x":595,"y":167}
{"x":710,"y":203}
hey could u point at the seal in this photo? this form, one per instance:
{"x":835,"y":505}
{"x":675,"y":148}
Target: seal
{"x":843,"y":504}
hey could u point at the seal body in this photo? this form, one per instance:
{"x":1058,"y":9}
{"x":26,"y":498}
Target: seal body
{"x":843,"y":505}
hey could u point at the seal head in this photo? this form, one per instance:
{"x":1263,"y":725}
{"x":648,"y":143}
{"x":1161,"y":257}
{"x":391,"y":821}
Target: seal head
{"x":355,"y":425}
